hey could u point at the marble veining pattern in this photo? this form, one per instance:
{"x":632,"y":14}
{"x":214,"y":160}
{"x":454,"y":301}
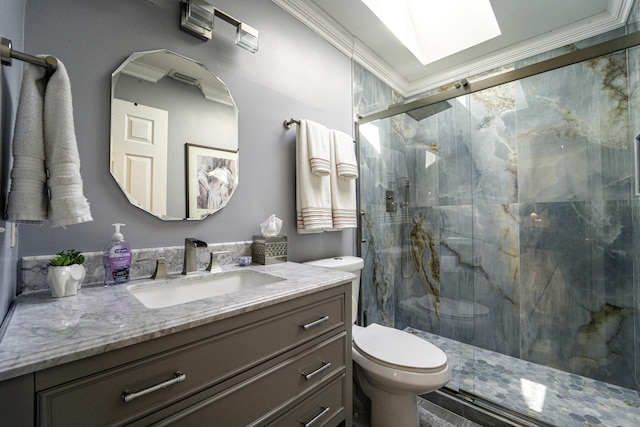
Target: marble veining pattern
{"x":44,"y":331}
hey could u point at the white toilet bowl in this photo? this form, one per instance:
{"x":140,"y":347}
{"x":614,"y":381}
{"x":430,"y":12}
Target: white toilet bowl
{"x":391,"y":366}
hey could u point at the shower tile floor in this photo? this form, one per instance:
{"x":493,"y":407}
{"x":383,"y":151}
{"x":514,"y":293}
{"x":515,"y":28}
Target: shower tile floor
{"x":547,"y":394}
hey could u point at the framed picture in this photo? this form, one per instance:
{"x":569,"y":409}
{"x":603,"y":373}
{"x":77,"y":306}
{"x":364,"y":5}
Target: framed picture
{"x":212,"y":177}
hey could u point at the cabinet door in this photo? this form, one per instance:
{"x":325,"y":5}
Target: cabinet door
{"x":268,"y":394}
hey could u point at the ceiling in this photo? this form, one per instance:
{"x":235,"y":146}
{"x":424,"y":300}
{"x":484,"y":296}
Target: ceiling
{"x":528,"y":28}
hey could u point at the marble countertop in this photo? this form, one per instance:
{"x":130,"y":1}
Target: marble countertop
{"x":43,"y":331}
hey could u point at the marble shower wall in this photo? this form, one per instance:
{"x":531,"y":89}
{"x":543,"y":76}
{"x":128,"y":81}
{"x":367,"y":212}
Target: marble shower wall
{"x":516,"y":233}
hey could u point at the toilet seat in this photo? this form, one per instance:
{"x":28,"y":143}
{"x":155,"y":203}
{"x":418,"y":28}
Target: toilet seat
{"x":398,"y":349}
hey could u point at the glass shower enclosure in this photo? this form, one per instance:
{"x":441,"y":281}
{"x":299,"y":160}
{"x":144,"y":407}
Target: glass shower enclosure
{"x":502,"y":225}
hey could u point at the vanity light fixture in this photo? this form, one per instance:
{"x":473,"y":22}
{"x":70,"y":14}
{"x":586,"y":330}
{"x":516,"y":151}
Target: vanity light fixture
{"x":197,"y":19}
{"x":247,"y":37}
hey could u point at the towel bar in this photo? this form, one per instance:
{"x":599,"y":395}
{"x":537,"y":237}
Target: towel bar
{"x":287,"y":123}
{"x":6,"y":54}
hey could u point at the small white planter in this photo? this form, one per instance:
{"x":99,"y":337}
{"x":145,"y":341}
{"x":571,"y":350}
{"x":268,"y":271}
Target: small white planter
{"x":65,"y":280}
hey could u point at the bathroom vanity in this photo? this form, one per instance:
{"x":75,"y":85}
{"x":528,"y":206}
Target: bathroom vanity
{"x":279,"y":354}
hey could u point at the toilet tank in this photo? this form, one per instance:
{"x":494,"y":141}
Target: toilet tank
{"x":350,"y":264}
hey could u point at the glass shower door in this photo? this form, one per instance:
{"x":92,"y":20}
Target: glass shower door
{"x":416,"y":204}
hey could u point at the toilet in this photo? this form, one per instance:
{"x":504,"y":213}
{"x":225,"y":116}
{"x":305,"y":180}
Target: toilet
{"x":391,"y":366}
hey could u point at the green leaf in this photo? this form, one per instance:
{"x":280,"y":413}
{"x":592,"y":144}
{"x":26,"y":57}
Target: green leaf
{"x":68,"y":257}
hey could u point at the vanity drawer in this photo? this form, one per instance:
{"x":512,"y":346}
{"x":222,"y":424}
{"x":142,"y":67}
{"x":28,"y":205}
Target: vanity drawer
{"x":254,"y":401}
{"x":324,"y":408}
{"x":204,"y":363}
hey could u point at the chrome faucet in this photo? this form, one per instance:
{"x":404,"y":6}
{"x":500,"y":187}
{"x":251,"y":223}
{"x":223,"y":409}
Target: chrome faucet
{"x":190,"y":261}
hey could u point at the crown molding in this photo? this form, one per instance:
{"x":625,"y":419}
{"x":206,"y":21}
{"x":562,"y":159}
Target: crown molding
{"x":326,"y":27}
{"x":317,"y":20}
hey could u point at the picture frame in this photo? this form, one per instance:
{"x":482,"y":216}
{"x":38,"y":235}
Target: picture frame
{"x":212,"y":177}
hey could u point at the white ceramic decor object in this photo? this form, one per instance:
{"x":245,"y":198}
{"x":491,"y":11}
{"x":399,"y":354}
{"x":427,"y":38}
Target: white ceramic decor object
{"x":65,"y":280}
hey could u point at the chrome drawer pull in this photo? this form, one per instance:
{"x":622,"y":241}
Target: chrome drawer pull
{"x":324,"y":411}
{"x":129,"y":395}
{"x":324,"y":367}
{"x":310,"y":325}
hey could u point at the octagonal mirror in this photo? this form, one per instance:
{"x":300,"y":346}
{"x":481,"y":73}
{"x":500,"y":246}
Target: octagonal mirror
{"x":174,"y":136}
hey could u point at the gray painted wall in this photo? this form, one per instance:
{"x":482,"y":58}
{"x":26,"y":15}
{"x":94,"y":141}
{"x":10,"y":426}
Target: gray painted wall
{"x":294,"y":74}
{"x":11,"y":27}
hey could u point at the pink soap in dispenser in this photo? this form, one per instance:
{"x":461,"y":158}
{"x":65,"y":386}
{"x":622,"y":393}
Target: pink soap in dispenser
{"x":116,"y":259}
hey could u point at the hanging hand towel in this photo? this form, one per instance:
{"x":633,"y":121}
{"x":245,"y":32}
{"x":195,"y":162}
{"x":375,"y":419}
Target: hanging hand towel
{"x":397,"y":169}
{"x":27,"y":199}
{"x":346,"y":164}
{"x":313,"y":192}
{"x":318,"y":142}
{"x":67,"y":203}
{"x":343,"y":192}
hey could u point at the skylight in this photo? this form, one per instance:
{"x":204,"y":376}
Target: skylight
{"x":434,"y":29}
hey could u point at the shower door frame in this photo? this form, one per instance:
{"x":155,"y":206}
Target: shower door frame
{"x":575,"y":57}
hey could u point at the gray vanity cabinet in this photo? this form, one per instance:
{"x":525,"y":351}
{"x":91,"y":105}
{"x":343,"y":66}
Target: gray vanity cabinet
{"x":285,"y":364}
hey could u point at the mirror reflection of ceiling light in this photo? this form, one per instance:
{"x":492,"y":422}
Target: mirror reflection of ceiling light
{"x":181,"y":77}
{"x":435,"y":29}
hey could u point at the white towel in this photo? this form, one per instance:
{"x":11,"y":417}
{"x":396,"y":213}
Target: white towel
{"x":373,"y":170}
{"x":343,"y":192}
{"x":345,"y":156}
{"x":68,"y":204}
{"x":313,"y":192}
{"x":318,"y":143}
{"x":44,"y":141}
{"x":397,"y":169}
{"x":27,"y":200}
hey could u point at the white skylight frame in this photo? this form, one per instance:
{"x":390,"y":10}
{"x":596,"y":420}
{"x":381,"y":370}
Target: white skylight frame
{"x":435,"y":29}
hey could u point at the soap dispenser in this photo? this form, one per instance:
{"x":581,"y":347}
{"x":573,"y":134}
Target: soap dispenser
{"x":116,"y":259}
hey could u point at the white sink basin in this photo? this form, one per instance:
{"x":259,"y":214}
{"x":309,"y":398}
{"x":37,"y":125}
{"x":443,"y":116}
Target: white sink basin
{"x":188,"y":289}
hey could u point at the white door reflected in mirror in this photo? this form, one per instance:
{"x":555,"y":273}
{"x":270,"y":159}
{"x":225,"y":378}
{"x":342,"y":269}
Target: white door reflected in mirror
{"x":139,"y":153}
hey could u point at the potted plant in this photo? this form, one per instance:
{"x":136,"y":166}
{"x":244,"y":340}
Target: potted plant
{"x":65,"y":273}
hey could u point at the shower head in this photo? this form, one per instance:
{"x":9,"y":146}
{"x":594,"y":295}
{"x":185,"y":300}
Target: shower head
{"x":422,"y":113}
